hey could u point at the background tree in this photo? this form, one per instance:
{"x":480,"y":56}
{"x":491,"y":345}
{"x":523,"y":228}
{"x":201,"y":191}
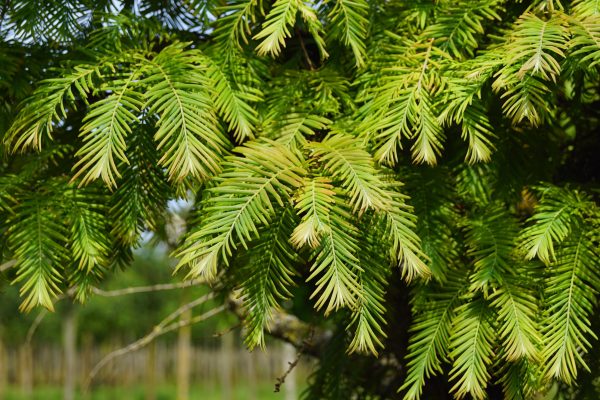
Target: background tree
{"x":422,"y":174}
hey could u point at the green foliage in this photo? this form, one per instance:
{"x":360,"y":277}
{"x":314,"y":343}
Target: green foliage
{"x":267,"y":276}
{"x":431,"y":330}
{"x":472,"y":350}
{"x":349,"y":24}
{"x":344,"y":159}
{"x":477,"y":267}
{"x":38,"y":243}
{"x":244,"y":200}
{"x":276,"y":27}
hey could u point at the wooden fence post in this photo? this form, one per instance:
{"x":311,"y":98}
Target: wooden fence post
{"x":184,"y":349}
{"x":26,"y":370}
{"x":70,"y":353}
{"x":151,"y":372}
{"x":226,"y":365}
{"x":3,"y":370}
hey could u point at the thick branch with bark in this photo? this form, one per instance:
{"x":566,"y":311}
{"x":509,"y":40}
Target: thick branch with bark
{"x":289,"y":328}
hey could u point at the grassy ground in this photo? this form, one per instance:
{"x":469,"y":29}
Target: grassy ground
{"x":240,"y":392}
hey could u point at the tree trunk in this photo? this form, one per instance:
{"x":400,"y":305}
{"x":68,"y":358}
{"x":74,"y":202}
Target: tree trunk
{"x":70,"y":353}
{"x":26,"y":371}
{"x":184,"y":349}
{"x":151,"y":372}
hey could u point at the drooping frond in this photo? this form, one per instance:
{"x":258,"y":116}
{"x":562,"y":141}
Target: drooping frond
{"x":49,"y":20}
{"x":432,"y":193}
{"x":369,"y":316}
{"x":571,"y":299}
{"x":515,"y":380}
{"x":123,"y":32}
{"x":233,"y":103}
{"x":277,"y":27}
{"x":335,"y":263}
{"x":291,"y":130}
{"x":464,"y":106}
{"x":472,"y":344}
{"x":400,"y":223}
{"x":586,"y":41}
{"x":457,"y":27}
{"x":48,"y":105}
{"x":552,"y":222}
{"x":586,"y":8}
{"x":253,"y":184}
{"x":349,"y":24}
{"x":188,"y":133}
{"x":517,"y":310}
{"x":403,"y":105}
{"x":267,"y":273}
{"x":344,"y":158}
{"x":107,"y":124}
{"x":533,"y":53}
{"x":429,"y":135}
{"x":492,"y":242}
{"x":140,"y":200}
{"x":38,"y":239}
{"x":478,"y":132}
{"x":313,"y":202}
{"x":88,"y":236}
{"x":233,"y":28}
{"x":430,"y":333}
{"x":537,"y":45}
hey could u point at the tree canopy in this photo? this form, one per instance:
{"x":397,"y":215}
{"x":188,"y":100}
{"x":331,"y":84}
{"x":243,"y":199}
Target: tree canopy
{"x":416,"y":179}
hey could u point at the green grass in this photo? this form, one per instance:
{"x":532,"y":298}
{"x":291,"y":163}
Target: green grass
{"x":239,"y":392}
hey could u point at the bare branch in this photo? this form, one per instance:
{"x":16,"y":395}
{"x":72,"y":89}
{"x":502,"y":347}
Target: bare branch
{"x":292,"y":364}
{"x":145,"y":289}
{"x":288,"y":328}
{"x":36,"y":322}
{"x":226,"y":331}
{"x":162,"y":328}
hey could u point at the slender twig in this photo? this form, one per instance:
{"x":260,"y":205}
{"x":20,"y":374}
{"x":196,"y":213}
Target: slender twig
{"x":36,"y":322}
{"x":163,"y":327}
{"x":113,"y":293}
{"x":226,"y":331}
{"x":292,"y":364}
{"x":144,"y":289}
{"x":311,"y":66}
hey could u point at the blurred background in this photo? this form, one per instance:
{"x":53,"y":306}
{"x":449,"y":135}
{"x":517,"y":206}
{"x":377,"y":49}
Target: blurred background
{"x":51,"y":355}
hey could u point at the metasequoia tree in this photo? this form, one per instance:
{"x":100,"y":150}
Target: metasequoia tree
{"x":406,"y":190}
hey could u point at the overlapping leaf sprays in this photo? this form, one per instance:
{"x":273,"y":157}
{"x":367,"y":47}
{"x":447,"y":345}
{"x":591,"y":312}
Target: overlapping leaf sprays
{"x":332,"y":106}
